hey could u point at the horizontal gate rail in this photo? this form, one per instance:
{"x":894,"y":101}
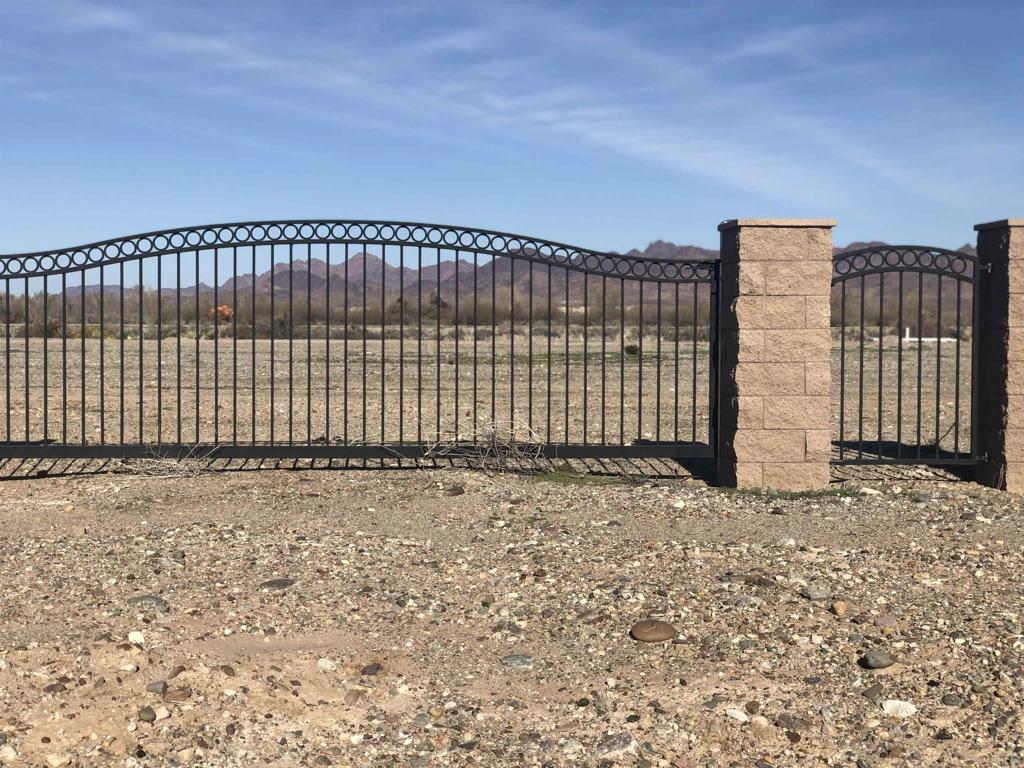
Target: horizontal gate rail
{"x":354,"y":339}
{"x":904,"y":322}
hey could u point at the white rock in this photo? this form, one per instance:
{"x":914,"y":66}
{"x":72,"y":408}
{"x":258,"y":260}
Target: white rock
{"x":328,"y":665}
{"x":869,"y":492}
{"x":8,"y":753}
{"x":679,"y":504}
{"x":162,"y":713}
{"x":738,"y":714}
{"x":136,"y":638}
{"x":897,"y":708}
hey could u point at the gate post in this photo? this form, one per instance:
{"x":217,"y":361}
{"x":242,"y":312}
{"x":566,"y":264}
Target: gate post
{"x":775,"y":346}
{"x":998,"y":390}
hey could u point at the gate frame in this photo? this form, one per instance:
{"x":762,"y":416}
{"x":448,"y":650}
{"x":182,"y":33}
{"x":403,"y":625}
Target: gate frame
{"x":901,"y":259}
{"x":138,"y":248}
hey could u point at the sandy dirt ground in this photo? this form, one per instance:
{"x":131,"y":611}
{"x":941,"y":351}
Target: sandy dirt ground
{"x":411,"y":617}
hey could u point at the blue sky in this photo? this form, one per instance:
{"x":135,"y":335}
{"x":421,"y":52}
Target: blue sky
{"x":604,"y":124}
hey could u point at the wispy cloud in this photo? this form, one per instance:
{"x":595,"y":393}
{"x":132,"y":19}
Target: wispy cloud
{"x":551,"y":73}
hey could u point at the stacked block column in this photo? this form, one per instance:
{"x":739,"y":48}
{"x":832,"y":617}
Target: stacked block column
{"x":999,"y":401}
{"x":774,"y":420}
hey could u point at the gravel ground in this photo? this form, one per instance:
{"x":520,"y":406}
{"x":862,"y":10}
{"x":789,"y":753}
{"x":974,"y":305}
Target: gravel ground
{"x":449,"y":617}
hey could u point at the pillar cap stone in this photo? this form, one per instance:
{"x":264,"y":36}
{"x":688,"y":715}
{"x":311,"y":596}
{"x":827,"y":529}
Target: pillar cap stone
{"x":736,"y":223}
{"x":1001,"y":224}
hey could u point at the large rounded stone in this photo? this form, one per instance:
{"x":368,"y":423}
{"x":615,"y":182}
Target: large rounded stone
{"x":652,"y":631}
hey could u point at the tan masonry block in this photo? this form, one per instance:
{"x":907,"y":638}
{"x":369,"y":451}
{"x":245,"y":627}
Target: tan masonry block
{"x":749,"y":475}
{"x":749,"y":412}
{"x":818,"y":444}
{"x":769,"y":445}
{"x":799,"y":412}
{"x":751,"y":279}
{"x":1014,"y":381}
{"x":772,"y":244}
{"x":818,"y":312}
{"x":1015,"y":409}
{"x":797,"y":345}
{"x":763,"y":312}
{"x":796,"y":477}
{"x":1015,"y":312}
{"x":1014,"y":449}
{"x":1014,"y":476}
{"x":751,"y":346}
{"x":1014,"y":345}
{"x":817,"y":379}
{"x":769,"y":379}
{"x":819,"y":244}
{"x":798,"y":278}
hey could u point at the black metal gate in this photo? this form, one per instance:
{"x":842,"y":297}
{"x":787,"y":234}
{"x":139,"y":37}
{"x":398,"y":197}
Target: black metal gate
{"x":354,"y":339}
{"x":904,"y":355}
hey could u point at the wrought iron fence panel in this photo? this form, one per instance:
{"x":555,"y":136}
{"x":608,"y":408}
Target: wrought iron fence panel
{"x":354,"y":339}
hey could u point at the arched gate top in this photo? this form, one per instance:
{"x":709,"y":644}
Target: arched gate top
{"x":327,"y":231}
{"x":903,"y":258}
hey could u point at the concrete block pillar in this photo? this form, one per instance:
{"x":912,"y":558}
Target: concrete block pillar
{"x":999,"y":400}
{"x":774,"y":421}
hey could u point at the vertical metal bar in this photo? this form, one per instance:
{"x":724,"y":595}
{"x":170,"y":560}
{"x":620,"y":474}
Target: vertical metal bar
{"x":46,"y":372}
{"x":7,"y":357}
{"x":9,"y":409}
{"x":365,"y":350}
{"x":657,"y":368}
{"x":675,"y":398}
{"x":216,"y":345}
{"x":25,"y":311}
{"x":566,"y":382}
{"x":586,"y":322}
{"x":103,"y":387}
{"x":327,"y":345}
{"x":252,"y":372}
{"x":81,"y":302}
{"x":177,"y":336}
{"x":401,"y":344}
{"x":693,"y":371}
{"x":512,"y":348}
{"x":273,"y":338}
{"x":956,"y":394}
{"x":234,"y":344}
{"x":938,"y":366}
{"x":159,"y":348}
{"x":604,"y":333}
{"x":142,"y":356}
{"x":549,"y":363}
{"x":640,"y":366}
{"x":63,"y":353}
{"x":121,"y":362}
{"x":899,"y":371}
{"x":622,"y":361}
{"x":345,"y":353}
{"x":419,"y":344}
{"x":975,"y":332}
{"x":494,"y":333}
{"x":842,"y":370}
{"x":456,"y":344}
{"x":309,"y":344}
{"x":197,"y":347}
{"x":920,"y":343}
{"x":881,"y":335}
{"x":291,"y":343}
{"x":714,"y":355}
{"x":529,"y":354}
{"x":383,"y":332}
{"x":476,"y":325}
{"x":860,"y":386}
{"x":437,"y":379}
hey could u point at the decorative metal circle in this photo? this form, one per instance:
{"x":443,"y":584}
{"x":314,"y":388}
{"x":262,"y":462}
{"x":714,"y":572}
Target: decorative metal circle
{"x":494,"y":244}
{"x":907,"y":258}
